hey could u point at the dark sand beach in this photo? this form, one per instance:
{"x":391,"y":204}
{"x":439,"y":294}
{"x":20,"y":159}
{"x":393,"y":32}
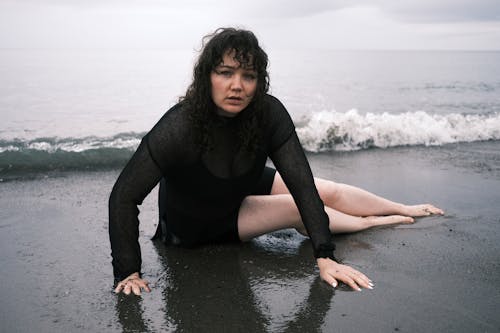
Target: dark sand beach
{"x":440,"y":274}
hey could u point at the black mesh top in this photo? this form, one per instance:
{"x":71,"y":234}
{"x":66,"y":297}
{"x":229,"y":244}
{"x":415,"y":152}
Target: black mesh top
{"x":208,"y":184}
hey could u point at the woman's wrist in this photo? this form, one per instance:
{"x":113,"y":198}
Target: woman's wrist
{"x":133,"y":276}
{"x":323,"y":254}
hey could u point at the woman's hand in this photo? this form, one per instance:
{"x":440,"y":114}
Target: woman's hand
{"x":132,"y":283}
{"x":331,"y":271}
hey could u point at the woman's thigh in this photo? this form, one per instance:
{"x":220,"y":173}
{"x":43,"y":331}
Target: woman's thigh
{"x":261,"y":214}
{"x":327,"y":189}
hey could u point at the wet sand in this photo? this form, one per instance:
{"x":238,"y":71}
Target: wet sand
{"x":439,"y":274}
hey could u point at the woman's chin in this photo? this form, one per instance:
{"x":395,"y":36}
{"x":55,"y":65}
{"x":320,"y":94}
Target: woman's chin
{"x":231,"y":111}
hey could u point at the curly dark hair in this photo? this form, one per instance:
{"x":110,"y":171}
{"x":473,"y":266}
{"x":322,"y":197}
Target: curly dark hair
{"x":246,"y":50}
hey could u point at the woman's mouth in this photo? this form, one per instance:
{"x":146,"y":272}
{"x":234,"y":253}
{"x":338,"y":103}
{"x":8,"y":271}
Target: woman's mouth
{"x":234,"y":99}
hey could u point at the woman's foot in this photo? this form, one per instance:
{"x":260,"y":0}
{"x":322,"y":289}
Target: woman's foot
{"x":375,"y":221}
{"x":422,"y":210}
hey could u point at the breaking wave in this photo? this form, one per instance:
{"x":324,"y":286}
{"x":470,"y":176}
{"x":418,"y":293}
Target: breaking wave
{"x":323,"y":131}
{"x":326,"y":131}
{"x":46,"y":154}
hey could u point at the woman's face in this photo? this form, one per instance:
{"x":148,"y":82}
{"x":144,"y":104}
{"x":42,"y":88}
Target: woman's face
{"x":233,"y":86}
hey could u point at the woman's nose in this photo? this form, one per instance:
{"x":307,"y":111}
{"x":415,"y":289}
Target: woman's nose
{"x":236,"y":83}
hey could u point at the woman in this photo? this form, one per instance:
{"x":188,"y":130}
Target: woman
{"x":211,"y":149}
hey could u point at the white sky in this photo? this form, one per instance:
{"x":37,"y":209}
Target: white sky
{"x":342,"y":24}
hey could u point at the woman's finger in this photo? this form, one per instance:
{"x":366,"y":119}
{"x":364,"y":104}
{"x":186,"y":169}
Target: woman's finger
{"x":361,"y":275}
{"x":348,"y":280}
{"x":351,"y":283}
{"x":146,"y":286}
{"x":363,"y":282}
{"x":119,"y":287}
{"x":136,"y":289}
{"x":143,"y":284}
{"x":361,"y":279}
{"x":330,"y":280}
{"x":127,"y":289}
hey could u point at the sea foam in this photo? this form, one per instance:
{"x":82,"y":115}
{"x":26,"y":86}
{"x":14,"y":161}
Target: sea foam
{"x":325,"y":131}
{"x":53,"y":144}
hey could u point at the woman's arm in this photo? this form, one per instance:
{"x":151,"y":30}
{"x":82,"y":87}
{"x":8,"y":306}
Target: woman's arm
{"x":291,"y":163}
{"x":138,"y":178}
{"x":288,"y":156}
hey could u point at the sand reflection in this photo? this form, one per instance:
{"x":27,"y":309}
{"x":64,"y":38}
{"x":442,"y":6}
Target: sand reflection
{"x":232,"y":288}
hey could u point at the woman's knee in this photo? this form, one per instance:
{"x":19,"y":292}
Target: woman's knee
{"x":328,"y":190}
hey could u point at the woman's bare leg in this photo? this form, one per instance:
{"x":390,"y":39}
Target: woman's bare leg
{"x":355,"y":201}
{"x":262,"y":214}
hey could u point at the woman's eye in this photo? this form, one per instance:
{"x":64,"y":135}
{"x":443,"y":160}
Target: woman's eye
{"x":250,"y":77}
{"x":225,"y":73}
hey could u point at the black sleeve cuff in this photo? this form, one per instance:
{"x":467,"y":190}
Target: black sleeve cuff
{"x":325,"y":251}
{"x":118,"y":277}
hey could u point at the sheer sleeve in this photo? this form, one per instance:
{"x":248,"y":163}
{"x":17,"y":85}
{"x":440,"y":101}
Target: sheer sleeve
{"x":138,"y":178}
{"x":167,"y":144}
{"x":288,"y":156}
{"x":291,"y":163}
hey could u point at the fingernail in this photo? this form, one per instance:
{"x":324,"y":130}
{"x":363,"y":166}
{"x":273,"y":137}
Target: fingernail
{"x":359,"y":289}
{"x":370,"y":287}
{"x":371,"y":284}
{"x":334,"y":285}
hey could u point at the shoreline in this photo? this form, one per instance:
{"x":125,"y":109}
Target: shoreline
{"x":33,"y":164}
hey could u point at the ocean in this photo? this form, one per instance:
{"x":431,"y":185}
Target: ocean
{"x":88,"y":109}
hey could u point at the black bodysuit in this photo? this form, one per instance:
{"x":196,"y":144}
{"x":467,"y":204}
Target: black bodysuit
{"x":204,"y":188}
